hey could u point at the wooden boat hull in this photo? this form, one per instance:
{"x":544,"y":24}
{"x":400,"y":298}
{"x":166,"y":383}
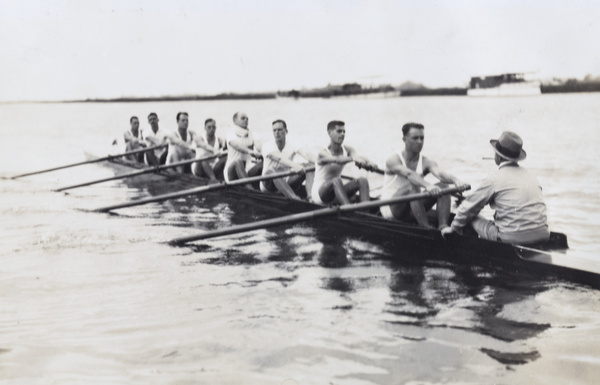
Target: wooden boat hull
{"x":411,"y":242}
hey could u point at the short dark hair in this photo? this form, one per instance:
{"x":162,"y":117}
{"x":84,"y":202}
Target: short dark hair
{"x":208,"y":121}
{"x":280,"y":121}
{"x":334,"y":123}
{"x":151,"y":114}
{"x":133,"y":117}
{"x":181,"y":113}
{"x":410,"y":125}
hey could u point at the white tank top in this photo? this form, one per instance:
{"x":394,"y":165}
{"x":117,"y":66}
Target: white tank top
{"x":325,"y":172}
{"x":189,"y":137}
{"x":201,"y":152}
{"x":393,"y":183}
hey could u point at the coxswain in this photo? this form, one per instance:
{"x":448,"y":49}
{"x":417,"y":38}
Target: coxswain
{"x":513,"y":193}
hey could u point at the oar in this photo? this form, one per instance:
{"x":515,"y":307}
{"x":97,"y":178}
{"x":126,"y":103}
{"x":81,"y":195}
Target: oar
{"x":319,"y":213}
{"x":202,"y":189}
{"x":90,"y":161}
{"x":143,"y":171}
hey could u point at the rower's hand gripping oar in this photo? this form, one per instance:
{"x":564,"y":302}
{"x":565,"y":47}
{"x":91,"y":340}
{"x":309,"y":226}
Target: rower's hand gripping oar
{"x":201,"y":190}
{"x":149,"y":170}
{"x":324,"y":212}
{"x":109,"y":157}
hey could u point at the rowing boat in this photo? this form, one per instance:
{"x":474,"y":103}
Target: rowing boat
{"x":411,"y":242}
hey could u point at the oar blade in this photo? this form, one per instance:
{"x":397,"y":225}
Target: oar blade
{"x":88,"y":161}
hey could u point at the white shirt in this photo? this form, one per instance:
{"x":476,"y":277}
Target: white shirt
{"x":159,"y":136}
{"x":288,"y":152}
{"x":243,"y":136}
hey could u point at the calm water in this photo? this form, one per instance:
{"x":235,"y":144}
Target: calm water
{"x":93,"y":298}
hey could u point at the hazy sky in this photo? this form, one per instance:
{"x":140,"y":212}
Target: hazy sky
{"x":78,"y":49}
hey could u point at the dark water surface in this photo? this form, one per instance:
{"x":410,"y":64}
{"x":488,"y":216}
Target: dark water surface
{"x":98,"y":298}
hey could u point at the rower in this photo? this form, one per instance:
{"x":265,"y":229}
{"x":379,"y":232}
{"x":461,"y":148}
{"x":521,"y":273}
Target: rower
{"x":181,"y":143}
{"x":208,"y":144}
{"x":242,"y":145}
{"x":134,"y":140}
{"x":155,"y":137}
{"x":278,"y":156}
{"x":514,"y":194}
{"x":328,"y":185}
{"x":404,"y":174}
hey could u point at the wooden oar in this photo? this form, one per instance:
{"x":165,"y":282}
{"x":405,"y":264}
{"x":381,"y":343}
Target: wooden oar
{"x":202,"y":189}
{"x":90,"y":161}
{"x":143,"y":171}
{"x":319,"y":213}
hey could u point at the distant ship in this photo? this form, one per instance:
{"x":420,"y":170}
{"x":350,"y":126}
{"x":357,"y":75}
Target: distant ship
{"x":511,"y":84}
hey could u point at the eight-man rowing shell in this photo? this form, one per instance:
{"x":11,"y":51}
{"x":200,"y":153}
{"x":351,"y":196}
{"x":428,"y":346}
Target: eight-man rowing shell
{"x":546,"y":259}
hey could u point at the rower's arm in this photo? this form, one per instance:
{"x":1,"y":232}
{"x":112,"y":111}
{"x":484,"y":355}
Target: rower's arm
{"x":442,"y":175}
{"x":283,"y":160}
{"x":128,"y":137}
{"x":325,"y":157}
{"x":239,"y":146}
{"x":307,"y":154}
{"x":394,"y":166}
{"x":176,"y":141}
{"x":359,"y":159}
{"x":472,"y":205}
{"x":200,"y":143}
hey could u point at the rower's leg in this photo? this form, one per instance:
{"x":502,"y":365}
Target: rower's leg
{"x":256,"y":170}
{"x":207,"y":169}
{"x":173,"y":157}
{"x":360,"y":185}
{"x":163,"y":157}
{"x":419,"y":212}
{"x":341,"y":190}
{"x":283,"y":187}
{"x":295,"y":181}
{"x":151,"y":159}
{"x":443,"y":211}
{"x":219,"y":167}
{"x":310,"y":179}
{"x":364,"y":190}
{"x":327,"y":192}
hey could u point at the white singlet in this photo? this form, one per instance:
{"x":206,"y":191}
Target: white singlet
{"x":218,"y":146}
{"x":324,"y":173}
{"x":174,"y":148}
{"x":393,"y":183}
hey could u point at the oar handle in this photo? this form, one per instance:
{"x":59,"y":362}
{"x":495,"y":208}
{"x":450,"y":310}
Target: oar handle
{"x":369,"y":167}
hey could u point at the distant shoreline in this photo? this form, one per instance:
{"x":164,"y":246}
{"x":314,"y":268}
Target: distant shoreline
{"x":331,"y":91}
